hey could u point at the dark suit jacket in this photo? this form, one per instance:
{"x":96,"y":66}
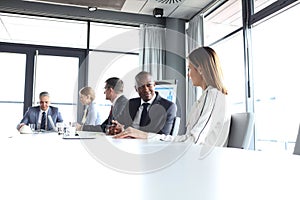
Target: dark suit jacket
{"x":162,"y":113}
{"x":117,"y":110}
{"x":32,"y":116}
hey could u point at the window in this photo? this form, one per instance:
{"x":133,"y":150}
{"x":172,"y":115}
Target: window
{"x":114,"y":54}
{"x":57,"y":69}
{"x":261,"y":4}
{"x":276,"y":80}
{"x":114,"y":38}
{"x":123,"y":66}
{"x":232,"y":63}
{"x":58,"y":76}
{"x":12,"y":80}
{"x":219,"y":24}
{"x":42,"y":31}
{"x":222,"y":21}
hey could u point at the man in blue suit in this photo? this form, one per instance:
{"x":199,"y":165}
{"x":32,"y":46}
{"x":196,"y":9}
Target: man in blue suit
{"x":44,"y":116}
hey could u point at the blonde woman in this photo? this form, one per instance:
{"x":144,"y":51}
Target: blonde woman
{"x":91,"y":115}
{"x":209,"y":119}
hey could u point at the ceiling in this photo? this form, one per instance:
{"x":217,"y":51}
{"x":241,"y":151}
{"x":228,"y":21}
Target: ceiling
{"x":182,"y":9}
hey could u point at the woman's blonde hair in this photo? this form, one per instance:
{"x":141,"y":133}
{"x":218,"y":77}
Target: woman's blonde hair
{"x":88,"y":91}
{"x":206,"y":59}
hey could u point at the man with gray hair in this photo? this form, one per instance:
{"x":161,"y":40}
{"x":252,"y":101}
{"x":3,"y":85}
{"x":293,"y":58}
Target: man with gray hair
{"x":43,"y":116}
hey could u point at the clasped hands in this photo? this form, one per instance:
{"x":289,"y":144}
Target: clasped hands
{"x":118,"y":131}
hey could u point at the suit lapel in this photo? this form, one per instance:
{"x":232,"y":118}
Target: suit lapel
{"x":134,"y":107}
{"x":36,"y":115}
{"x":48,"y":122}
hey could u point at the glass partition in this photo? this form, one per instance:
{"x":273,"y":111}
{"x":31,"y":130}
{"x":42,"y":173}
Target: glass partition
{"x":276,"y":81}
{"x":12,"y":80}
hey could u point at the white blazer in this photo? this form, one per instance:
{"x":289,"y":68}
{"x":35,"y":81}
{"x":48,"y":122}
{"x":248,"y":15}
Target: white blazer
{"x":208,"y":122}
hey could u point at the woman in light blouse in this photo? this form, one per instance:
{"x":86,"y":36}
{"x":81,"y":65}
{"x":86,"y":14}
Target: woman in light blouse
{"x":209,"y":119}
{"x":91,"y":115}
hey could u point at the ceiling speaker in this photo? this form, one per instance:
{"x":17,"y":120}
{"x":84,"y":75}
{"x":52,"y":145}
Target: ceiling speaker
{"x":158,"y":12}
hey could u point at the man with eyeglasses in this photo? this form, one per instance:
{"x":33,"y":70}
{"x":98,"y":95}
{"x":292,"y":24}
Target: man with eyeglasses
{"x":43,"y":116}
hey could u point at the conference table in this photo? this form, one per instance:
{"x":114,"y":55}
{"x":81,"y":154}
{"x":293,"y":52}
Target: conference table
{"x":47,"y":166}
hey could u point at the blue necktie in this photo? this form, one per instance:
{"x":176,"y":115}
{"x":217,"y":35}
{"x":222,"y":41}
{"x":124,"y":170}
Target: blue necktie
{"x":43,"y":122}
{"x":144,"y":117}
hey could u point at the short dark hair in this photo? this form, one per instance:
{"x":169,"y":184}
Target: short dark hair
{"x":141,"y":76}
{"x":115,"y":83}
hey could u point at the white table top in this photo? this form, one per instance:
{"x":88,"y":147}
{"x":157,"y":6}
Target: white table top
{"x":45,"y":166}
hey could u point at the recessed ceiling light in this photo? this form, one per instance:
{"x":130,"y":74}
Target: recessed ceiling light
{"x":92,"y":8}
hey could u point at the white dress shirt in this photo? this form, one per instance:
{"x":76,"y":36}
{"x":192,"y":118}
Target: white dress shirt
{"x":137,"y":119}
{"x":40,"y":119}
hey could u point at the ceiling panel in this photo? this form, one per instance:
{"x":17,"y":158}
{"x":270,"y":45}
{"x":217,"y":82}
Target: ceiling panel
{"x":149,"y":7}
{"x":184,"y":12}
{"x":106,"y":4}
{"x":133,"y":6}
{"x":196,"y":3}
{"x":184,"y":9}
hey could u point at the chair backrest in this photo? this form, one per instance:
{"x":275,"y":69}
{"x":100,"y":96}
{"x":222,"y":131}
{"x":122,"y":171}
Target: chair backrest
{"x":175,"y":128}
{"x":297,"y":144}
{"x":241,"y":130}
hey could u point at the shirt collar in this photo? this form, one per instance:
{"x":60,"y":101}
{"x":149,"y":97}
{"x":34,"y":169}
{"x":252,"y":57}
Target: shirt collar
{"x":46,"y":111}
{"x":113,"y":103}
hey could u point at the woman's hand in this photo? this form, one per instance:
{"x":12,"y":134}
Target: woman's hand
{"x":78,"y":127}
{"x":132,"y":133}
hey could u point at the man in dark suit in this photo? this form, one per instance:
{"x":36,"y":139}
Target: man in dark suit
{"x":149,"y":112}
{"x":44,"y":116}
{"x":114,"y":92}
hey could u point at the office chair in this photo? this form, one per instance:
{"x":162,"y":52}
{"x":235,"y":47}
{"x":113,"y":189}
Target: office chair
{"x":241,"y":130}
{"x":297,"y":144}
{"x":175,"y":128}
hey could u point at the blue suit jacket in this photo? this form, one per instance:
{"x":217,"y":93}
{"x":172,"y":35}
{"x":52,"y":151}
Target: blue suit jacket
{"x":32,"y":116}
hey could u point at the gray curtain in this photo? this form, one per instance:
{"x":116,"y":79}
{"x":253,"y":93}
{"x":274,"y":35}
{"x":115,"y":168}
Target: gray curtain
{"x":194,"y":35}
{"x":152,"y":50}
